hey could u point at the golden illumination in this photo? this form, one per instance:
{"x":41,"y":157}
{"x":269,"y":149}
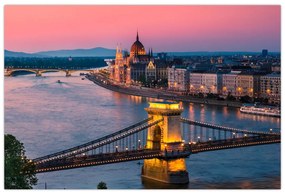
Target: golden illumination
{"x":171,"y":106}
{"x":177,"y":165}
{"x":150,"y":66}
{"x":169,"y":127}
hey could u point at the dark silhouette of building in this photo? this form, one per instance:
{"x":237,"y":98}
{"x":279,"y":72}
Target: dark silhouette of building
{"x":264,"y":52}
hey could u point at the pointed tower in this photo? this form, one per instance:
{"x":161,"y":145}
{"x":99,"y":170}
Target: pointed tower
{"x":138,"y":35}
{"x":119,"y":74}
{"x":137,"y":48}
{"x":119,"y":54}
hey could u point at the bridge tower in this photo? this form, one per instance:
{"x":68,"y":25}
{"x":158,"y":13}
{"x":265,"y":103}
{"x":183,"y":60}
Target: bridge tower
{"x":38,"y":73}
{"x":68,"y":73}
{"x":7,"y":72}
{"x":166,"y":137}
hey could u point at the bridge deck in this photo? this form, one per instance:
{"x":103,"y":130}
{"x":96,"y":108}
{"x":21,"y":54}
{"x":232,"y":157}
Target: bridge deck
{"x":108,"y":158}
{"x":94,"y":160}
{"x":80,"y":156}
{"x":233,"y":143}
{"x":214,"y":126}
{"x":99,"y":142}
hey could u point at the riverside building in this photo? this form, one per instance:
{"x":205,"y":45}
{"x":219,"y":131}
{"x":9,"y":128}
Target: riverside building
{"x":205,"y":83}
{"x":178,"y":79}
{"x":229,"y":83}
{"x":270,"y":87}
{"x":136,"y":66}
{"x":248,"y":85}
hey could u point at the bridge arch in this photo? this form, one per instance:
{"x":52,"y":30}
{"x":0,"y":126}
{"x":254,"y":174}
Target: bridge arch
{"x":51,"y":70}
{"x":10,"y":72}
{"x":156,"y":137}
{"x":38,"y":72}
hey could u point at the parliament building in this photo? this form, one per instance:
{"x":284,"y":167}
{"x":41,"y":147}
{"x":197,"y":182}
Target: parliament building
{"x":138,"y":65}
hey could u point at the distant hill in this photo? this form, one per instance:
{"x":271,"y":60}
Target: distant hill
{"x":93,"y":52}
{"x":104,"y":52}
{"x":20,"y":54}
{"x":209,"y":53}
{"x":217,"y":53}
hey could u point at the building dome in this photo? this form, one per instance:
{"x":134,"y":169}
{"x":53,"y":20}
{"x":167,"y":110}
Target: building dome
{"x":137,"y":48}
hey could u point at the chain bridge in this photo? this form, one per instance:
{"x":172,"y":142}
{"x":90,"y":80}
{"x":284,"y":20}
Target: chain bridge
{"x":161,"y":140}
{"x":39,"y":72}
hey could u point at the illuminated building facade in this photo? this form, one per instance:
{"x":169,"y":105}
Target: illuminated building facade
{"x":196,"y":84}
{"x":229,"y":85}
{"x":136,"y":66}
{"x":205,"y":83}
{"x":248,"y":85}
{"x":178,"y":79}
{"x":212,"y":83}
{"x":270,"y":87}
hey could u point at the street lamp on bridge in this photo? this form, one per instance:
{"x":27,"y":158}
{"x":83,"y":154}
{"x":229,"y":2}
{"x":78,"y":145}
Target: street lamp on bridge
{"x":234,"y":135}
{"x":139,"y":143}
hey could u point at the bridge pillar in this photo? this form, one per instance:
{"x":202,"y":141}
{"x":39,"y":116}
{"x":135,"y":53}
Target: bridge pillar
{"x":68,"y":73}
{"x":166,"y":137}
{"x":38,"y":73}
{"x":7,"y":72}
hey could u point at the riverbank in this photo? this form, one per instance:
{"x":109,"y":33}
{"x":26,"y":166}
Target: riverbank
{"x":156,"y":93}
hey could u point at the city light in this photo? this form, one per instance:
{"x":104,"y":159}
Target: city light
{"x":214,"y":88}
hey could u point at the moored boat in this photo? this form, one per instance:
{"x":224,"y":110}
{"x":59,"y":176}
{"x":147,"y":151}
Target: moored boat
{"x":261,"y":110}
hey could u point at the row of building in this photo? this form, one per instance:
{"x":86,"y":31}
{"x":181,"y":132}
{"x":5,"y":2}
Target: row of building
{"x":141,"y":66}
{"x":235,"y":83}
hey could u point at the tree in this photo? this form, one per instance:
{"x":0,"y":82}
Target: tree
{"x":246,"y":99}
{"x":142,"y":79}
{"x":102,"y":185}
{"x":230,"y":97}
{"x":19,"y":171}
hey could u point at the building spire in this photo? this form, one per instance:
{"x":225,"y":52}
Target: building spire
{"x":137,"y":35}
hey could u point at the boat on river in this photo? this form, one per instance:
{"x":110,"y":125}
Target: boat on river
{"x":261,"y":110}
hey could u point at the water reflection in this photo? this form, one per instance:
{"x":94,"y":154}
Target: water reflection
{"x":191,"y":110}
{"x":225,"y":111}
{"x":150,"y":184}
{"x":39,"y":110}
{"x":136,"y":99}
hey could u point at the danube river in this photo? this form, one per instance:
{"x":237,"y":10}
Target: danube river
{"x":48,"y":117}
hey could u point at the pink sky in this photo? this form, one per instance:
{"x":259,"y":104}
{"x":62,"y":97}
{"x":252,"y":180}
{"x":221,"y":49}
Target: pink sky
{"x":164,"y":28}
